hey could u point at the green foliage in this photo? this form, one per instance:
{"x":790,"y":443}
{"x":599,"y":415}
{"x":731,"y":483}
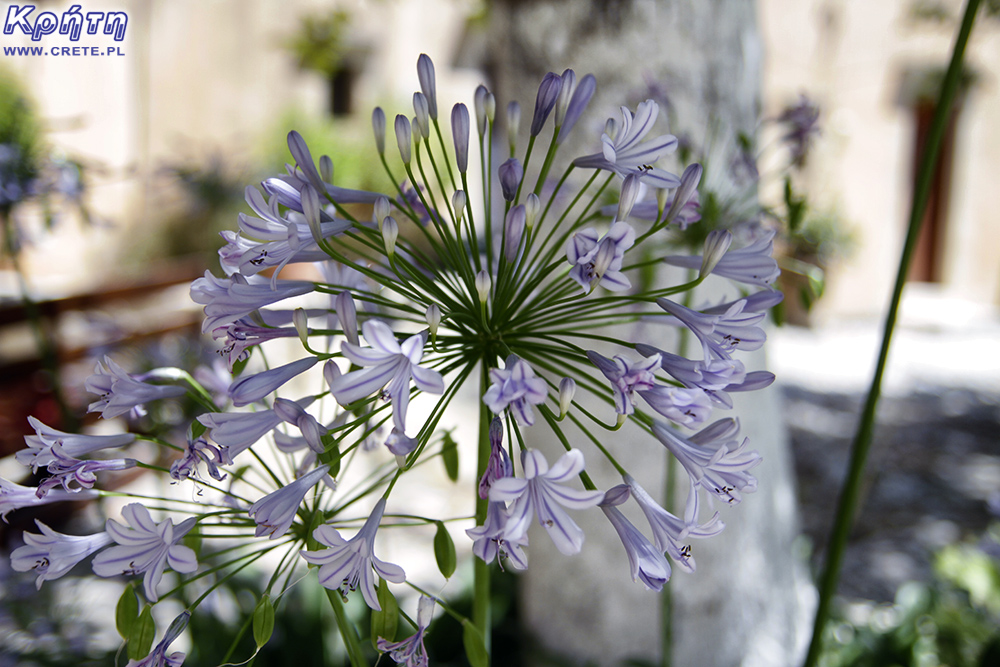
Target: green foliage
{"x":319,"y":44}
{"x":385,"y":622}
{"x":449,"y":455}
{"x":127,"y":612}
{"x":263,"y":621}
{"x":444,"y":551}
{"x":952,"y":621}
{"x":140,"y":639}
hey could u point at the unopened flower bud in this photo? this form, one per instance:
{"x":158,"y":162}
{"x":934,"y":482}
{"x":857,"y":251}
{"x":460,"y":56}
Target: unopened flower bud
{"x":416,"y":131}
{"x":545,"y":100}
{"x":378,"y":126}
{"x":565,"y":93}
{"x":347,"y":315}
{"x":326,"y":168}
{"x":581,"y":98}
{"x":479,"y":104}
{"x":422,"y":115}
{"x":611,"y":129}
{"x":483,"y":285}
{"x":311,"y":211}
{"x":513,"y":124}
{"x":458,"y":202}
{"x":513,"y":230}
{"x":433,"y":316}
{"x":630,"y":192}
{"x":390,"y":230}
{"x":460,"y":132}
{"x":428,"y":83}
{"x":716,"y":244}
{"x":301,"y":322}
{"x":532,"y":206}
{"x":491,"y":107}
{"x":331,"y":371}
{"x":616,"y":495}
{"x":510,"y":173}
{"x":380,"y":211}
{"x":686,"y":190}
{"x":403,"y":139}
{"x":567,"y":391}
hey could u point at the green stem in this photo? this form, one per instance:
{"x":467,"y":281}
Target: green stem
{"x":347,"y":630}
{"x":862,"y":441}
{"x":481,"y":569}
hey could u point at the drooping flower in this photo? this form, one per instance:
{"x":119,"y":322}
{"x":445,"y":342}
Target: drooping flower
{"x":499,"y":464}
{"x":542,"y":493}
{"x":14,"y":497}
{"x":53,"y":554}
{"x":752,"y":264}
{"x":410,"y":652}
{"x":197,"y":451}
{"x":687,"y":407}
{"x":720,"y":334}
{"x":626,"y":377}
{"x":275,"y":512}
{"x":39,"y":454}
{"x":119,"y":392}
{"x":626,"y":153}
{"x":646,"y":563}
{"x":74,"y":474}
{"x":719,"y":465}
{"x":515,"y":386}
{"x":390,"y":366}
{"x":348,"y":564}
{"x":669,"y":530}
{"x":490,"y":539}
{"x":158,"y":656}
{"x":599,"y":261}
{"x":229,"y":299}
{"x":146,"y":547}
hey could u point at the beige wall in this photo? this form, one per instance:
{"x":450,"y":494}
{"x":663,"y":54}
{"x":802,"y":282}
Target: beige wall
{"x":850,"y":55}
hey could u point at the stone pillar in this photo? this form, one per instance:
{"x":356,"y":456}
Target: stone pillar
{"x":749,"y":603}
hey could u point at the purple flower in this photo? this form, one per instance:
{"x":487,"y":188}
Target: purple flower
{"x":158,"y":656}
{"x":515,"y":386}
{"x":513,"y":230}
{"x":542,"y":492}
{"x":197,"y":451}
{"x":545,"y":100}
{"x":300,"y":151}
{"x":120,"y":392}
{"x":460,"y":129}
{"x":228,"y":299}
{"x":581,"y":95}
{"x":646,"y":563}
{"x":751,"y":264}
{"x":626,"y":377}
{"x":390,"y":366}
{"x":714,"y":376}
{"x":347,"y":564}
{"x":687,"y":407}
{"x":39,"y":454}
{"x":510,"y":174}
{"x":499,"y":464}
{"x":400,"y":444}
{"x":669,"y":531}
{"x":146,"y":547}
{"x":599,"y":262}
{"x":275,"y":512}
{"x":53,"y":554}
{"x":428,"y":83}
{"x":720,"y":334}
{"x":712,"y":460}
{"x":236,"y":431}
{"x":491,"y":538}
{"x":410,"y":651}
{"x":251,"y":388}
{"x":404,"y":139}
{"x":295,"y":414}
{"x":14,"y":497}
{"x":802,"y":126}
{"x":244,"y":334}
{"x":624,"y":154}
{"x":73,"y":474}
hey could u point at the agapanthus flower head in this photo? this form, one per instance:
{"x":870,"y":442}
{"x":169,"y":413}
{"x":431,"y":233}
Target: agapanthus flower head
{"x":524,"y":286}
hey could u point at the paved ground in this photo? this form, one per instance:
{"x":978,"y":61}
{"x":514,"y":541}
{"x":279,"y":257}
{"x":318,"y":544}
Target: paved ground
{"x":936,"y":455}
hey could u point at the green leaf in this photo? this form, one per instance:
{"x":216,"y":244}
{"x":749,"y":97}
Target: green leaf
{"x":197,"y":429}
{"x":126,"y":612}
{"x":444,"y":551}
{"x":475,"y":647}
{"x":449,"y":454}
{"x":331,"y":453}
{"x":263,"y":621}
{"x":240,"y":365}
{"x":385,"y":622}
{"x":140,"y":639}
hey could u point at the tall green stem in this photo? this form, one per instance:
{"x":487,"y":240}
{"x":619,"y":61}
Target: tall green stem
{"x":481,"y":569}
{"x":862,"y":441}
